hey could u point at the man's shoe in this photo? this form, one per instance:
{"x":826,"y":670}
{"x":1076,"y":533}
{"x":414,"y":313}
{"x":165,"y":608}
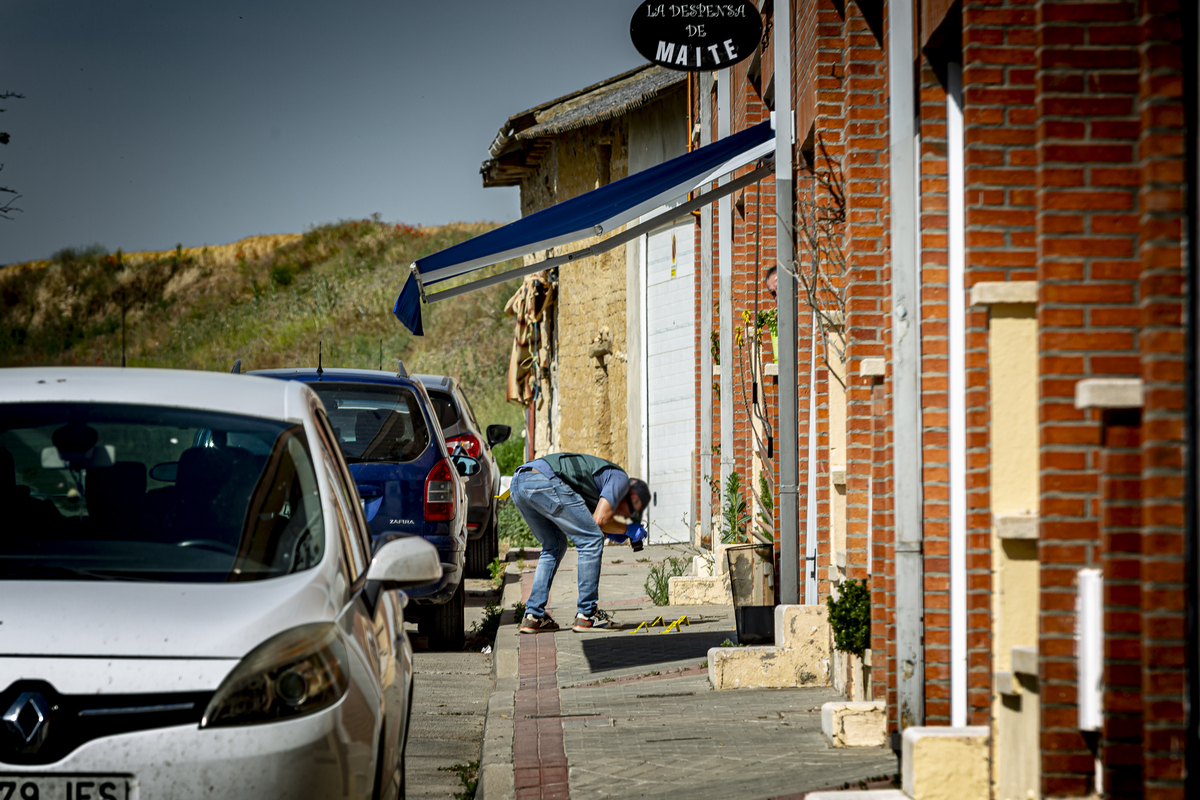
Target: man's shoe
{"x":532,"y":624}
{"x":599,"y":620}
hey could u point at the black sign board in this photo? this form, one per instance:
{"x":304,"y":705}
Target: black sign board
{"x":693,"y":37}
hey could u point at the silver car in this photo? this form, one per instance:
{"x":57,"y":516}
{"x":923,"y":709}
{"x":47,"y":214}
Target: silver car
{"x":189,"y":603}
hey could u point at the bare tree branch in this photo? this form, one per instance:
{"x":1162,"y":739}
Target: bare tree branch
{"x":821,"y":267}
{"x":6,"y":204}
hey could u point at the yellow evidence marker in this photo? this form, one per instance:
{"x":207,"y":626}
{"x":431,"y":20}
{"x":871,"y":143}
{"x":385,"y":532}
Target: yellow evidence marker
{"x":649,"y":625}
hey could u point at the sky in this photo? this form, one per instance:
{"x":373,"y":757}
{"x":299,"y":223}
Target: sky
{"x":146,"y":124}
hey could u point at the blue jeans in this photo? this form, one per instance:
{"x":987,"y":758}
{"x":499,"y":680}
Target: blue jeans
{"x":555,"y":513}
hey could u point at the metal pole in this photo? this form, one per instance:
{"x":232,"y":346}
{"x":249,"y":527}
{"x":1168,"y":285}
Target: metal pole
{"x":811,"y":562}
{"x":957,"y":420}
{"x":725,"y":305}
{"x":789,"y":457}
{"x":906,"y":362}
{"x":706,"y":325}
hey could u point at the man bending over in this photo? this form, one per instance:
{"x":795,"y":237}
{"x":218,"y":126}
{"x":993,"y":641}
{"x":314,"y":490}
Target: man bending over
{"x":577,"y":497}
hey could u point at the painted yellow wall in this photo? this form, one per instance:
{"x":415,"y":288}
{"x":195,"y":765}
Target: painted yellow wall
{"x":1014,"y":444}
{"x":1013,"y":355}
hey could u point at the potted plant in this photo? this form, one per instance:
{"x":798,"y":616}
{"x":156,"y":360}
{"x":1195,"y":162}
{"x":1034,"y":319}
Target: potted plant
{"x":748,"y":554}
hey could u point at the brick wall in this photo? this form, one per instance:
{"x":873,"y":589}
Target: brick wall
{"x":1162,"y":341}
{"x":934,"y":398}
{"x":867,"y":186}
{"x":1120,"y":512}
{"x":999,"y":135}
{"x":1088,"y":269}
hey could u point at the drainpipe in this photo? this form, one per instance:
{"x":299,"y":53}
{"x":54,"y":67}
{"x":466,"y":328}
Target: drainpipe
{"x":725,"y":310}
{"x":706,"y":324}
{"x":789,"y":463}
{"x":904,"y":145}
{"x":644,"y":372}
{"x":956,"y":368}
{"x":810,"y":490}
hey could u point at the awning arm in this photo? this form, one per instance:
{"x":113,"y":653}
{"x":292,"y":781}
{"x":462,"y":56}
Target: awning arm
{"x":616,"y":240}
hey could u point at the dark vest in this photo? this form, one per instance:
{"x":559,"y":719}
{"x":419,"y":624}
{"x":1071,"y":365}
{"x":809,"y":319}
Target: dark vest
{"x":578,"y":471}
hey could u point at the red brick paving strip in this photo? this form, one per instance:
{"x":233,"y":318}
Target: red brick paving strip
{"x":539,"y":758}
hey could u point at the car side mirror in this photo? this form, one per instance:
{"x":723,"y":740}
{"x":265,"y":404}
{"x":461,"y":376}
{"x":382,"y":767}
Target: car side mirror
{"x":497,"y":434}
{"x":466,"y":465}
{"x":404,"y":563}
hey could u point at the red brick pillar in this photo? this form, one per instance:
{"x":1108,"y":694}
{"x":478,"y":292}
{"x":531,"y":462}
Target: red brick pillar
{"x":1162,"y":290}
{"x":1088,"y":272}
{"x":934,"y":396}
{"x":999,"y":119}
{"x":829,"y":85}
{"x":866,"y":172}
{"x":1121,"y":467}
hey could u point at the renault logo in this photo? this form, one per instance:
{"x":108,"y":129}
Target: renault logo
{"x":28,"y":718}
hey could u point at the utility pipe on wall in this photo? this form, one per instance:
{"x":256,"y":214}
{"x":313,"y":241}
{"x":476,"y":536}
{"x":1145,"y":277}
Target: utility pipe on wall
{"x":789,"y":461}
{"x":903,"y":173}
{"x":810,"y":493}
{"x":644,"y":372}
{"x":725,"y":310}
{"x":956,"y":397}
{"x":706,"y":324}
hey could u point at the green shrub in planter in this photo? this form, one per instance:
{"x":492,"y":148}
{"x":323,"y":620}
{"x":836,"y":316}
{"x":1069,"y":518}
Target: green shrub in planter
{"x":850,"y":617}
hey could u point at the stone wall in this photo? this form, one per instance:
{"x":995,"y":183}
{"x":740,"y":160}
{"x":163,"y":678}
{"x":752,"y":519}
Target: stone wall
{"x":582,"y":403}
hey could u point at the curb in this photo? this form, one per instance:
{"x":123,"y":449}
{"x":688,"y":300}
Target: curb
{"x":497,"y":781}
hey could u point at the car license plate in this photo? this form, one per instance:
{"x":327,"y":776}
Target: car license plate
{"x":67,"y":787}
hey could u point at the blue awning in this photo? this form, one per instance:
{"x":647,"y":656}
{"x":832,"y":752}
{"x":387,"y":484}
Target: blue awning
{"x":594,"y":213}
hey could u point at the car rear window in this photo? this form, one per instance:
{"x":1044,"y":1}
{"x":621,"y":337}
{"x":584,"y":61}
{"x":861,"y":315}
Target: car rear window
{"x":444,"y":409}
{"x":96,"y":491}
{"x":375,"y":422}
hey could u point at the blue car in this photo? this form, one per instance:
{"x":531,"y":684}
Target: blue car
{"x":408,"y":482}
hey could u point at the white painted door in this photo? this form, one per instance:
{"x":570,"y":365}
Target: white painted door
{"x":670,"y":380}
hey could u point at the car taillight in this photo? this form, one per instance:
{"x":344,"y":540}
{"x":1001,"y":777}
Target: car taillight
{"x":470,"y":444}
{"x":440,"y":495}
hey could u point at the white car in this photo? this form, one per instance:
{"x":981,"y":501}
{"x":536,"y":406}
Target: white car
{"x":189,"y":606}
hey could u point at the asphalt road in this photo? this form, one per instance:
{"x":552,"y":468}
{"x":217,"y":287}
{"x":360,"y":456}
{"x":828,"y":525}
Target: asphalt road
{"x":449,"y":703}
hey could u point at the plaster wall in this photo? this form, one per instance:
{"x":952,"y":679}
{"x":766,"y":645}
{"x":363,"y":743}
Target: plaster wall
{"x":590,"y":398}
{"x":583,"y":405}
{"x":1013,"y":355}
{"x":657,"y":133}
{"x":1013,"y":365}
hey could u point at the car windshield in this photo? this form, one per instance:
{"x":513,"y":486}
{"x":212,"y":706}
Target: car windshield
{"x":375,"y":422}
{"x":95,"y":491}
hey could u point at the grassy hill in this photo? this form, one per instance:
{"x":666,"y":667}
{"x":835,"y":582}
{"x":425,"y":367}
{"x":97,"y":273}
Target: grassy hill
{"x":267,"y":300}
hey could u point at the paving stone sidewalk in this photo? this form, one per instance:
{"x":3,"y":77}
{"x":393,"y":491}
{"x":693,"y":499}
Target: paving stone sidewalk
{"x":634,"y":714}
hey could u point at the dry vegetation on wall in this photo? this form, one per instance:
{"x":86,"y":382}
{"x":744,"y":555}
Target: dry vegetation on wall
{"x":267,"y":300}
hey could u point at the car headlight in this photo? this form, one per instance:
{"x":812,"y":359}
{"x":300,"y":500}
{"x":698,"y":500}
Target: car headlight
{"x":297,"y":672}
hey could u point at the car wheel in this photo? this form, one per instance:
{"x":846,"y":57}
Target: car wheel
{"x":494,"y":538}
{"x":444,"y":624}
{"x":477,"y":557}
{"x":480,"y":553}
